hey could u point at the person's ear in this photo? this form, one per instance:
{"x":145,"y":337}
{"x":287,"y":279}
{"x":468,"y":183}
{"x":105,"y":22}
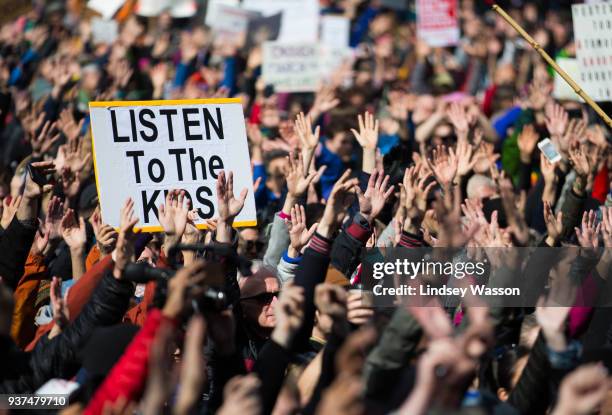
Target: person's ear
{"x":502,"y":394}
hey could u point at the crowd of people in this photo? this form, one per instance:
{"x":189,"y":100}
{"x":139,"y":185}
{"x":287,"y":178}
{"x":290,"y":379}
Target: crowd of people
{"x":404,"y":145}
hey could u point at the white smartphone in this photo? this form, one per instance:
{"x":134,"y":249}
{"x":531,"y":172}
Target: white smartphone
{"x":549,"y":150}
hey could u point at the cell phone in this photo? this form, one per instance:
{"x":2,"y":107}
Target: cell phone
{"x":549,"y":150}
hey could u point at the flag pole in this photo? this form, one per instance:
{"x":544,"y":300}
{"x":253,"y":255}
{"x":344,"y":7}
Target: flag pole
{"x":554,"y":65}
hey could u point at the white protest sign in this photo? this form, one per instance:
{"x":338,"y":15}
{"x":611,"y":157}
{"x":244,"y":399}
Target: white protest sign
{"x":300,"y":21}
{"x":562,"y":90}
{"x":437,"y":23}
{"x":335,"y":31}
{"x":142,"y":149}
{"x":107,"y":8}
{"x":212,"y":7}
{"x":104,"y":31}
{"x":177,"y":8}
{"x":592,"y":28}
{"x":231,"y":24}
{"x":291,"y":67}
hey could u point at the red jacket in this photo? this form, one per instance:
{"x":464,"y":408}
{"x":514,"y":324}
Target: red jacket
{"x":129,"y":375}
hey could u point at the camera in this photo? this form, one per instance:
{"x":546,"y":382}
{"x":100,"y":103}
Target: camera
{"x":213,"y":297}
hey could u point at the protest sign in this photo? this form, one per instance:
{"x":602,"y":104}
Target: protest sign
{"x":437,"y":23}
{"x":231,"y":24}
{"x":300,"y":19}
{"x":335,"y":31}
{"x":562,"y":90}
{"x":142,"y":149}
{"x":107,"y":8}
{"x":291,"y":67}
{"x":104,"y":31}
{"x":212,"y":6}
{"x":262,"y":29}
{"x":592,"y":28}
{"x":177,"y":8}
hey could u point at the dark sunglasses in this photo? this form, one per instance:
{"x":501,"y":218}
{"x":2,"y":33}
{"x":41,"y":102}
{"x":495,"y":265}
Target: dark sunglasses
{"x":263,"y":298}
{"x":249,"y":244}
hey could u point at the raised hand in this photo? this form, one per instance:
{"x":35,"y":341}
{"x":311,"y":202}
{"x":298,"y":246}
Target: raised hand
{"x":460,"y":120}
{"x":552,"y":318}
{"x":444,"y":166}
{"x":68,"y":125}
{"x":299,"y":234}
{"x":556,"y":121}
{"x":289,"y":313}
{"x":579,"y":159}
{"x":527,"y":141}
{"x":367,"y":136}
{"x":330,"y":300}
{"x":303,"y":127}
{"x":229,"y":205}
{"x":241,"y":396}
{"x":588,"y":233}
{"x":554,"y":224}
{"x":73,"y":231}
{"x":325,"y":100}
{"x":173,"y":214}
{"x":193,"y":366}
{"x":10,"y":205}
{"x":372,"y":202}
{"x":184,"y":280}
{"x":106,"y":235}
{"x":340,"y":199}
{"x":124,"y":251}
{"x":297,"y":180}
{"x":416,"y":189}
{"x":44,"y":141}
{"x":516,"y":222}
{"x":606,"y":226}
{"x":41,"y":242}
{"x":583,"y":390}
{"x":466,"y":159}
{"x":55,"y":212}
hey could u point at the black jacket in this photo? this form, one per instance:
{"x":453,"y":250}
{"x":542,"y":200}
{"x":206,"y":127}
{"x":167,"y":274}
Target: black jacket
{"x":15,"y":244}
{"x":58,"y":357}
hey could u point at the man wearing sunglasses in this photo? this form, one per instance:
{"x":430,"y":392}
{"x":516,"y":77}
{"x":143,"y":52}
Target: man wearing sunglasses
{"x":258,"y":296}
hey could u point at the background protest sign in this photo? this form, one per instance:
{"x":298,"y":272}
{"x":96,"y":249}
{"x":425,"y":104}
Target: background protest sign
{"x":142,"y":149}
{"x":291,"y":67}
{"x":592,"y":28}
{"x":437,"y":23}
{"x":231,"y":24}
{"x":300,"y":18}
{"x":335,"y":31}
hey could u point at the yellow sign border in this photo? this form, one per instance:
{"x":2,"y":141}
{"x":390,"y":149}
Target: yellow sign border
{"x":102,"y":104}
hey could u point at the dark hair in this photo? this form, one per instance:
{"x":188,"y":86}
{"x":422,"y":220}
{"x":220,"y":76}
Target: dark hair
{"x":272,"y":155}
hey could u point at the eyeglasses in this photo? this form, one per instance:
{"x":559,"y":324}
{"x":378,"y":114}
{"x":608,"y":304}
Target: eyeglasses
{"x":262,"y":298}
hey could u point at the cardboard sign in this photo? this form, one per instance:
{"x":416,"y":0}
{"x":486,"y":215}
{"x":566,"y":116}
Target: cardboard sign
{"x":335,"y":31}
{"x":592,"y":28}
{"x":291,"y":67}
{"x":437,"y":22}
{"x":300,"y":21}
{"x":142,"y":149}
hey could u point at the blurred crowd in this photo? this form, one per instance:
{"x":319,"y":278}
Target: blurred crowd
{"x":404,"y":145}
